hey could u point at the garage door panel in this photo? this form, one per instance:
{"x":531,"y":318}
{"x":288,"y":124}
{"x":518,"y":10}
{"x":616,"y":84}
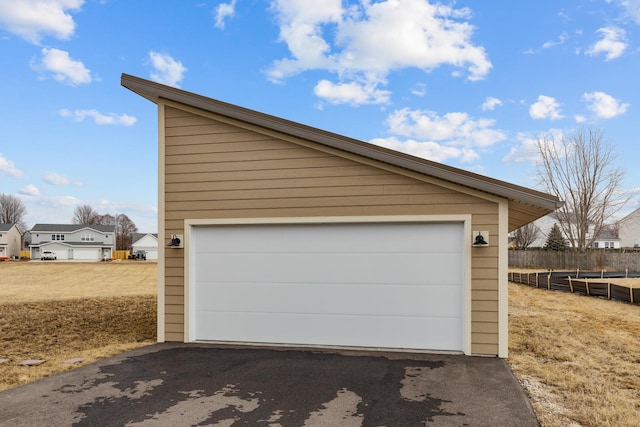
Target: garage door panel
{"x":373,"y":285}
{"x":359,"y":331}
{"x":337,"y":267}
{"x":383,"y":300}
{"x":86,"y":254}
{"x":367,"y":238}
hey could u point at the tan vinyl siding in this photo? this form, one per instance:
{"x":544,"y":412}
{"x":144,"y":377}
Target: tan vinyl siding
{"x":215,"y":170}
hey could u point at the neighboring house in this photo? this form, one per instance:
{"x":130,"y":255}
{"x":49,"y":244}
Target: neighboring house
{"x":147,"y":242}
{"x":606,"y":240}
{"x":73,"y":242}
{"x":10,"y":241}
{"x":275,"y":232}
{"x":629,"y":230}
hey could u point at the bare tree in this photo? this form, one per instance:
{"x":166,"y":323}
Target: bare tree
{"x":580,"y":169}
{"x":526,"y":235}
{"x":106,"y":219}
{"x":84,"y":214}
{"x":12,"y":211}
{"x":124,"y":231}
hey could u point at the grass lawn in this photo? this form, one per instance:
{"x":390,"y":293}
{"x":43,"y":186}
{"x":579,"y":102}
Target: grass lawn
{"x":577,"y":357}
{"x":56,"y":311}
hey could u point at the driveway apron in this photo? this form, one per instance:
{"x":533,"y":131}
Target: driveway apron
{"x":201,"y":385}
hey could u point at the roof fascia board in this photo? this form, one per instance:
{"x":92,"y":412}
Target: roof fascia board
{"x":155,"y":91}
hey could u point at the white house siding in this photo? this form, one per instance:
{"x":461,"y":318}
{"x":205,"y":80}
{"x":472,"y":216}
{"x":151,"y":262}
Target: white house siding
{"x":629,"y":231}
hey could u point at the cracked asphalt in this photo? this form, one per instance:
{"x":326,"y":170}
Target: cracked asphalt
{"x":204,"y":385}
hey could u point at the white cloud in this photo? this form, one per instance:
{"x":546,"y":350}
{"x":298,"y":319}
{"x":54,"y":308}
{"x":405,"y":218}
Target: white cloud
{"x":427,"y":150}
{"x":372,"y":39}
{"x":439,"y":138}
{"x":350,"y":93}
{"x":30,"y":190}
{"x":604,"y":105}
{"x":456,"y":129}
{"x":99,"y":118}
{"x":32,"y":19}
{"x":167,"y":70}
{"x":64,"y":69}
{"x":224,"y":11}
{"x":545,"y":108}
{"x":7,"y":167}
{"x":56,"y":179}
{"x":490,"y":103}
{"x":632,"y":9}
{"x":527,"y":150}
{"x":579,"y":118}
{"x":613,"y":43}
{"x":562,"y":38}
{"x":419,"y":89}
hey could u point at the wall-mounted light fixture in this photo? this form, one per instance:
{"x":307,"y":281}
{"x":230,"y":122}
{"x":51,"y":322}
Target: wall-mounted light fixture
{"x":480,"y":239}
{"x":177,"y":241}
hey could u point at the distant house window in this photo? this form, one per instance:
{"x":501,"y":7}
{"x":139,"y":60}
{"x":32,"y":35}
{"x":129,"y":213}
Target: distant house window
{"x":87,"y":237}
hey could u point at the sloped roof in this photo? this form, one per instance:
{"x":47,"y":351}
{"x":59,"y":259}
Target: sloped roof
{"x":70,"y":228}
{"x":631,"y":216}
{"x":5,"y":227}
{"x":525,"y":204}
{"x":138,"y":236}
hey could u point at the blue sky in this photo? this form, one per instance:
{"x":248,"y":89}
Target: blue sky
{"x":469,"y":84}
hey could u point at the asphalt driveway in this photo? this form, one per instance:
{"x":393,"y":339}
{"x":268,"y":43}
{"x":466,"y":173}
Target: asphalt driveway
{"x":197,"y":385}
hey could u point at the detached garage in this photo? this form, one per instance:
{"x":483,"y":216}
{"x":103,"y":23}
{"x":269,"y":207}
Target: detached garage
{"x":273,"y":232}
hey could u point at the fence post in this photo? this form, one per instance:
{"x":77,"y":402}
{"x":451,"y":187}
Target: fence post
{"x":570,"y":284}
{"x":537,"y":283}
{"x":609,"y":290}
{"x":631,"y":295}
{"x":549,"y":282}
{"x":586,"y":285}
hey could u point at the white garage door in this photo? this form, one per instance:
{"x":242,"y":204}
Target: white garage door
{"x":92,"y":254}
{"x":394,"y":285}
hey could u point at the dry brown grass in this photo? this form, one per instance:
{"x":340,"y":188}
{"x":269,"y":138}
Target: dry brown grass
{"x":59,"y":311}
{"x":46,"y":281}
{"x":578,"y":357}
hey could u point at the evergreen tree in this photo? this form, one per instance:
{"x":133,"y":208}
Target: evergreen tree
{"x":555,"y":240}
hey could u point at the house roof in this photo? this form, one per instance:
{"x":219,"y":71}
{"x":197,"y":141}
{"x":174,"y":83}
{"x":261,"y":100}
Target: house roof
{"x":5,"y":227}
{"x":70,"y":228}
{"x":631,"y":216}
{"x":525,"y":204}
{"x":137,"y":236}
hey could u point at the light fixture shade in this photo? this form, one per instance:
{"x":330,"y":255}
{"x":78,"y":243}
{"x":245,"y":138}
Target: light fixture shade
{"x":480,"y":239}
{"x":176,"y":241}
